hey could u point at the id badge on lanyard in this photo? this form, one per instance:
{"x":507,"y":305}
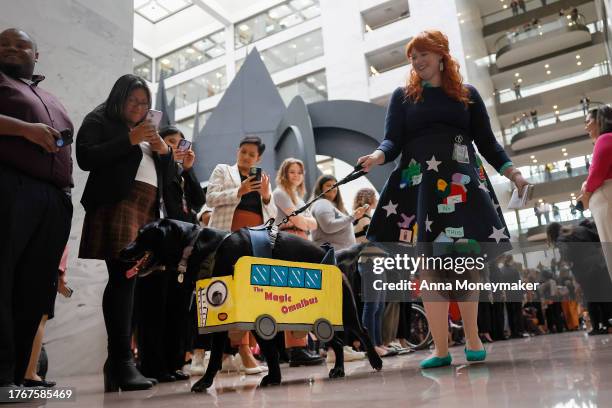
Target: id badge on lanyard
{"x":460,"y":150}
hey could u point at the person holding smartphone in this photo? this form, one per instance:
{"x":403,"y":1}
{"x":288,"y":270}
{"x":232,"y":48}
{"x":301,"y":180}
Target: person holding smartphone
{"x":162,"y":309}
{"x":241,"y":200}
{"x":127,"y":161}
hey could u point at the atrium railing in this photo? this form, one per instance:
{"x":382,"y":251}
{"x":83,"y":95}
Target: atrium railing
{"x":507,"y":13}
{"x":597,"y":70}
{"x":528,"y":32}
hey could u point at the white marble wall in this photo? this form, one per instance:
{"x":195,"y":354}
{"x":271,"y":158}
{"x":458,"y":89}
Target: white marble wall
{"x":84,"y":46}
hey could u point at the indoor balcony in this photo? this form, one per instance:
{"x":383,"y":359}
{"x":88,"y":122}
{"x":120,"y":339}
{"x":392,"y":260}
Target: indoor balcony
{"x":550,"y":130}
{"x":382,"y":83}
{"x":515,"y":47}
{"x":564,"y":90}
{"x":504,"y":20}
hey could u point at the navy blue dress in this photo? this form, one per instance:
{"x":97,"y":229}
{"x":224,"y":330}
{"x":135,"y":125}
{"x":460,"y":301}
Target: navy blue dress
{"x":435,"y":195}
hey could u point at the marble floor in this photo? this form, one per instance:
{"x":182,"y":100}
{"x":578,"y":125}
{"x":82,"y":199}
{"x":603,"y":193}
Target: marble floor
{"x":561,"y":370}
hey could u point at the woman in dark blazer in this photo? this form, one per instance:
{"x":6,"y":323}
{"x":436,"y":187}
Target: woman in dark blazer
{"x":127,"y":160}
{"x":164,"y":323}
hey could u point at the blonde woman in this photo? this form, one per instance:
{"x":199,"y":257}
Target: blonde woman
{"x":289,"y":196}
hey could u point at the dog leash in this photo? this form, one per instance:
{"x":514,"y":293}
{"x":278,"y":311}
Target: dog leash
{"x":353,"y":175}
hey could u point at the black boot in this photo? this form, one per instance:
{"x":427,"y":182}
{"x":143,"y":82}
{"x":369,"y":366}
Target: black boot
{"x":300,"y":356}
{"x":124,"y":376}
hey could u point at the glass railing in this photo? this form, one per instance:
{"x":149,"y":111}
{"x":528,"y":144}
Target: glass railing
{"x":597,"y":70}
{"x":545,"y":177}
{"x":537,"y":174}
{"x":547,"y":119}
{"x":530,"y":220}
{"x":507,"y":12}
{"x":531,"y":31}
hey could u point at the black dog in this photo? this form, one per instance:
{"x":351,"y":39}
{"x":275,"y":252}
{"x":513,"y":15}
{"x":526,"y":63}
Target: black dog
{"x":161,"y":243}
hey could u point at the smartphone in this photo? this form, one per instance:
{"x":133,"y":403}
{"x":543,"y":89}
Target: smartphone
{"x":65,"y":138}
{"x":255,"y":171}
{"x":184,"y":145}
{"x":155,"y":117}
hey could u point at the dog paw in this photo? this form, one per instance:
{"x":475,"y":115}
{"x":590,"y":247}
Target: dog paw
{"x":202,"y":384}
{"x":269,"y":380}
{"x":336,"y":372}
{"x":375,"y":360}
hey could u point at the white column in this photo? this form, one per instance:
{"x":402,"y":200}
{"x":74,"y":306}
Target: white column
{"x":346,"y":68}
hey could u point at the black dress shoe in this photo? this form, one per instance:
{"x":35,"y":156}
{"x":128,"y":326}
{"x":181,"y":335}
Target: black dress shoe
{"x":36,"y":383}
{"x":166,"y":378}
{"x":303,"y":357}
{"x":596,"y":332}
{"x":180,"y":375}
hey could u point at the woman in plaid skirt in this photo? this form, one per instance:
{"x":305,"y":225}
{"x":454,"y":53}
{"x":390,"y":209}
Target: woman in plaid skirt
{"x":126,"y":159}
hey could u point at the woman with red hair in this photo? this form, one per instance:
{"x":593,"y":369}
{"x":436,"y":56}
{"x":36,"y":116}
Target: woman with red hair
{"x":439,"y":194}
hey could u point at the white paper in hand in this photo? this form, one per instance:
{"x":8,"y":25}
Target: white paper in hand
{"x":517,"y":202}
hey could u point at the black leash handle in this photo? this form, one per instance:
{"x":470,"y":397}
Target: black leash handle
{"x":353,"y":175}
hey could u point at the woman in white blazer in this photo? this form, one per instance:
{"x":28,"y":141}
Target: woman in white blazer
{"x":239,"y":200}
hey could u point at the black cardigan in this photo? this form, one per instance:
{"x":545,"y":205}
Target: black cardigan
{"x":174,"y":191}
{"x":103,"y":148}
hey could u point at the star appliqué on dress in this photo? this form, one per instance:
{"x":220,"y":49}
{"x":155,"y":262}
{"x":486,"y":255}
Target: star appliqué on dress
{"x":498,"y":234}
{"x":390,"y":208}
{"x":428,"y":223}
{"x":483,"y":186}
{"x":433,"y":163}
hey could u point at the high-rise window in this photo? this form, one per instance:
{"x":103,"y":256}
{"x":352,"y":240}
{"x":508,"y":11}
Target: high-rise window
{"x":274,"y":20}
{"x":186,"y":125}
{"x":292,"y":52}
{"x":387,"y":58}
{"x":189,"y":56}
{"x":142,"y":65}
{"x":198,"y":88}
{"x":311,"y":87}
{"x":385,"y":13}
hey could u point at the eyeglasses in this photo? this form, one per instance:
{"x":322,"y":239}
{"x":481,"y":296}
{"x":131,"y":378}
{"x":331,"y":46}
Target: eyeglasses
{"x":137,"y":104}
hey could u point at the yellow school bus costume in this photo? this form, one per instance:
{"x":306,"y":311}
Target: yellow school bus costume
{"x":269,"y":295}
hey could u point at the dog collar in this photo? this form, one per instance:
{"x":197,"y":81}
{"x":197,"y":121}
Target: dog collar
{"x":182,"y":266}
{"x":207,"y":265}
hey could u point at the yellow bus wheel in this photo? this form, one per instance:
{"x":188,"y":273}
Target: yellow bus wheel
{"x":266,"y":327}
{"x":323,"y":329}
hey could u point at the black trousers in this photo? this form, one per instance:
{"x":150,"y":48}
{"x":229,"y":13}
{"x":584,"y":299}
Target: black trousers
{"x":497,"y":321}
{"x":599,"y":312}
{"x":34,"y":229}
{"x":515,"y":318}
{"x":484,"y":317}
{"x":404,"y":327}
{"x":554,"y":318}
{"x":162,"y":319}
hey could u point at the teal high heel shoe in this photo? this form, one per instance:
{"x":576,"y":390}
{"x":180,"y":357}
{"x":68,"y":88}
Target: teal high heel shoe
{"x":434,"y":361}
{"x":475,"y":355}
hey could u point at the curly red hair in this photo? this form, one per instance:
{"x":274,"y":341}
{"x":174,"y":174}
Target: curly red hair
{"x":452,"y":81}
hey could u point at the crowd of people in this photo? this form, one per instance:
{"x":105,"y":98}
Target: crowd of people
{"x":138,"y":173}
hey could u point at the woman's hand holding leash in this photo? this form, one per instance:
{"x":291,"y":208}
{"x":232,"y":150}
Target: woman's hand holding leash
{"x":377,"y":157}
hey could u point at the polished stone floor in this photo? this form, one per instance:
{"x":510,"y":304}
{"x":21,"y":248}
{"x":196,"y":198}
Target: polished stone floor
{"x":561,"y":371}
